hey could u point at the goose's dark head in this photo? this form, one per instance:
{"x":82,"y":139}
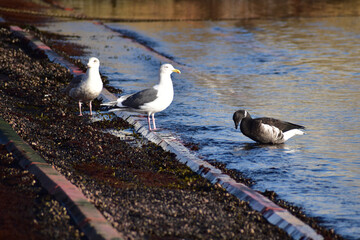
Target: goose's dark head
{"x":239,"y":115}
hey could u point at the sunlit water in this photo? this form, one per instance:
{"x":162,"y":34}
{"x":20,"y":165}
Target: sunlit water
{"x":301,"y":70}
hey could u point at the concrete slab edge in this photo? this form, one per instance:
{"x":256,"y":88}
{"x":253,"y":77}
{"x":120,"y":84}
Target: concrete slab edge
{"x":86,"y":216}
{"x":273,"y":213}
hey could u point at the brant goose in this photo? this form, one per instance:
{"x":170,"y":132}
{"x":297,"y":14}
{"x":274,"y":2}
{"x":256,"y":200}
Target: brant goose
{"x":265,"y":130}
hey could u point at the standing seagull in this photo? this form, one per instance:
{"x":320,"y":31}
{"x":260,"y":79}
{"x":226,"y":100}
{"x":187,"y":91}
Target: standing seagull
{"x":86,"y":87}
{"x":265,"y":130}
{"x":151,"y":100}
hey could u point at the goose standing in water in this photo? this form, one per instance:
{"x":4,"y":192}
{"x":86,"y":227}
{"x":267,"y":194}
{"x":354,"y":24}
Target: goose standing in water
{"x":265,"y":130}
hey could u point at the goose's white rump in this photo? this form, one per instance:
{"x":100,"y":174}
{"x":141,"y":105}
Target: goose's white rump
{"x":291,"y":133}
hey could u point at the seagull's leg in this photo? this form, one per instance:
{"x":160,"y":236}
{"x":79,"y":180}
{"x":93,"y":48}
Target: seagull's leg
{"x":148,"y":118}
{"x":90,"y":108}
{"x":80,"y":114}
{"x":153,"y":119}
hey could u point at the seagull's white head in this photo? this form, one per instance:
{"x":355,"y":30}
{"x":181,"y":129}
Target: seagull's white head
{"x":168,"y":69}
{"x":93,"y":63}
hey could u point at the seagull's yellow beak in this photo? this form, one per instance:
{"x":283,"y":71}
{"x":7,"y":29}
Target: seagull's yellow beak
{"x":177,"y":71}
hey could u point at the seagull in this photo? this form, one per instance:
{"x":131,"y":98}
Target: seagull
{"x":265,"y":130}
{"x":151,"y":100}
{"x":88,"y":86}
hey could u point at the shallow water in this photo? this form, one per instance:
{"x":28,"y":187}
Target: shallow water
{"x":304,"y":71}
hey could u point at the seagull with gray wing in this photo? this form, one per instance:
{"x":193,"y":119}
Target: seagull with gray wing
{"x":88,"y":86}
{"x":151,"y":100}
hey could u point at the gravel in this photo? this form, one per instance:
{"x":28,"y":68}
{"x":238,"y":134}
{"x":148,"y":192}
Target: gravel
{"x":26,"y":210}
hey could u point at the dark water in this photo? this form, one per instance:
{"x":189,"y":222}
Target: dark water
{"x":303,"y":70}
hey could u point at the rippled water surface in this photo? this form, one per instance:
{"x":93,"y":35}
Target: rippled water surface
{"x":301,"y":70}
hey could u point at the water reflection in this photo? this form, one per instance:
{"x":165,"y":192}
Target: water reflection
{"x":253,"y":145}
{"x":212,"y":9}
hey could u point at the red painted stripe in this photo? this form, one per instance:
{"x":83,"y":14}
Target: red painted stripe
{"x":43,"y":47}
{"x":16,"y":28}
{"x":37,"y":163}
{"x":274,"y":209}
